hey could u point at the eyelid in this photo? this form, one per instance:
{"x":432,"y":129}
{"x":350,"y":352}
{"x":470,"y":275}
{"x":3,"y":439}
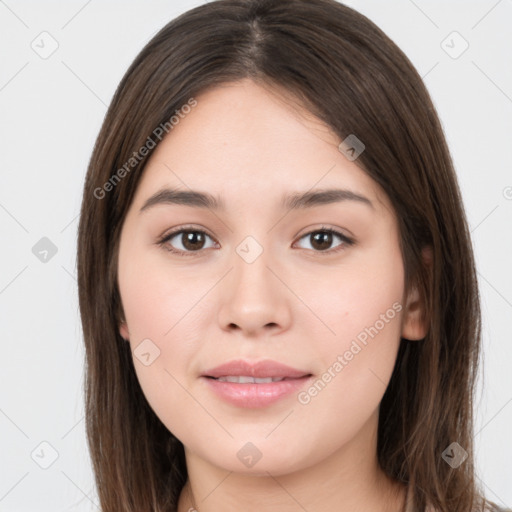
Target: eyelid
{"x":344,"y":233}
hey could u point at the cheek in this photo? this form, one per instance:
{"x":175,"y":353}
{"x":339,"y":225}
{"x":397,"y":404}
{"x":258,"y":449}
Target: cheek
{"x":354,"y":298}
{"x":156,"y":298}
{"x":163,"y":311}
{"x":361,"y":306}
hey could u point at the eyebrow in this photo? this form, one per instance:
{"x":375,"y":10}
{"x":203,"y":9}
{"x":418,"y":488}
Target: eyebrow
{"x":294,"y":201}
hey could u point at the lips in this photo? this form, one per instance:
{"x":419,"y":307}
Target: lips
{"x":251,"y":372}
{"x":254,"y":384}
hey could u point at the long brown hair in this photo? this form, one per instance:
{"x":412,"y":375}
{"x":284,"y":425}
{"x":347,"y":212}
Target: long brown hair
{"x":348,"y":73}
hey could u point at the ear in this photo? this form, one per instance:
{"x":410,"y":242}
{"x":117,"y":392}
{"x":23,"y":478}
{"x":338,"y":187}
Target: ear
{"x":123,"y":330}
{"x":414,"y":323}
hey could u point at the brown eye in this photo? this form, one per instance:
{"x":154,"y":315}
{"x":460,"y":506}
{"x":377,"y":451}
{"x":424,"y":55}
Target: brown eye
{"x":192,"y":240}
{"x":185,"y":241}
{"x":322,"y":239}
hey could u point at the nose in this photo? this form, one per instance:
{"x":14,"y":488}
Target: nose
{"x":254,"y":298}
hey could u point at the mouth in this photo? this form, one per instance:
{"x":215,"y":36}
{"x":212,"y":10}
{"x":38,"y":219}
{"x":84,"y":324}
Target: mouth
{"x":254,"y":384}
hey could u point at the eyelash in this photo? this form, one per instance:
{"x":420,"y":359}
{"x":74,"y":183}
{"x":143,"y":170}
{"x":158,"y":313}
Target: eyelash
{"x":347,"y":242}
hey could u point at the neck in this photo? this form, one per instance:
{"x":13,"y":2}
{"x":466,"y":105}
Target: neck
{"x":349,"y":480}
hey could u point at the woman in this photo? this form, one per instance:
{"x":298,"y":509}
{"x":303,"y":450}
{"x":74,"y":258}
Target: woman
{"x":276,"y":280}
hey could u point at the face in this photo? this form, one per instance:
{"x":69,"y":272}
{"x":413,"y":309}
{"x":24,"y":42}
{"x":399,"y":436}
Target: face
{"x":259,"y":279}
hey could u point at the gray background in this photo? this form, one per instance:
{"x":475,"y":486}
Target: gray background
{"x":51,"y":109}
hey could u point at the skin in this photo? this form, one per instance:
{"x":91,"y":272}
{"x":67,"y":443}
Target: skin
{"x":294,"y":304}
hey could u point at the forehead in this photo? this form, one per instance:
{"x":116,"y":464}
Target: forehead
{"x":242,"y":139}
